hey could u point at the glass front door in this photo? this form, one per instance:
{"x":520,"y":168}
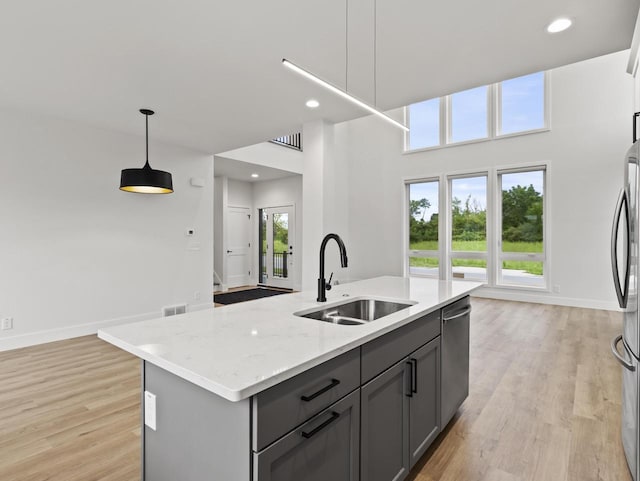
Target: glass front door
{"x":276,"y":246}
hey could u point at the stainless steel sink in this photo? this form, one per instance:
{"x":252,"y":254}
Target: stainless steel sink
{"x":356,"y":312}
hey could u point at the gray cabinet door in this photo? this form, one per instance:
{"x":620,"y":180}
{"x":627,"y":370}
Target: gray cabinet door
{"x":325,"y":448}
{"x":385,"y":425}
{"x":424,"y":404}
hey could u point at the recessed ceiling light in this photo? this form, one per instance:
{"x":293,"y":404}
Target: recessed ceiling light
{"x":559,"y":25}
{"x":255,"y":176}
{"x":312,"y":103}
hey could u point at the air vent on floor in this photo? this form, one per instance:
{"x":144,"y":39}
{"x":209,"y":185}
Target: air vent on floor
{"x":173,"y":310}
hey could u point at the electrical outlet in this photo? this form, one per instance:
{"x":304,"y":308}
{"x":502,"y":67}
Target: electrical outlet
{"x":150,"y":410}
{"x":6,"y":323}
{"x":196,"y":295}
{"x":556,"y":289}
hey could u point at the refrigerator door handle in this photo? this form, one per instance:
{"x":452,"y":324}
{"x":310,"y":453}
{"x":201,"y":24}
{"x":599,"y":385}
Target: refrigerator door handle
{"x":614,"y":349}
{"x":623,"y":203}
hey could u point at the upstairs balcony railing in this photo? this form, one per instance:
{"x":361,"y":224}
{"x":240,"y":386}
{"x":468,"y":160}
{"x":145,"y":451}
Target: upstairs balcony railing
{"x":293,"y":141}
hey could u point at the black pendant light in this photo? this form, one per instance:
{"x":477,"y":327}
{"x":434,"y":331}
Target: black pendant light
{"x":146,"y":180}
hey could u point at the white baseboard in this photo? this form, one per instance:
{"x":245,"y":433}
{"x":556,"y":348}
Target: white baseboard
{"x":544,"y":298}
{"x":78,"y":330}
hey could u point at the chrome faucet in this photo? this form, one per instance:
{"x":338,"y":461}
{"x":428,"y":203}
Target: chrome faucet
{"x":323,"y":285}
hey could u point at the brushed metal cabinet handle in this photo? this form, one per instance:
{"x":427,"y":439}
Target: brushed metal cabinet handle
{"x":614,"y":349}
{"x":456,"y":316}
{"x":623,"y":203}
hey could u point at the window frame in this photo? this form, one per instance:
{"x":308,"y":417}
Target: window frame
{"x":451,"y":254}
{"x":407,"y":243}
{"x":449,"y":119}
{"x":497,"y":123}
{"x":494,"y":113}
{"x":493,"y":254}
{"x":521,"y":256}
{"x":407,"y":120}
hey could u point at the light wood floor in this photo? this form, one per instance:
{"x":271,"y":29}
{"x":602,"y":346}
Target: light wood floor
{"x":544,"y":405}
{"x":69,"y":411}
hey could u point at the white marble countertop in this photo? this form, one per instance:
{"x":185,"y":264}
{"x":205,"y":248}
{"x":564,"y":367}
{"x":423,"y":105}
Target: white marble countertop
{"x":242,"y":349}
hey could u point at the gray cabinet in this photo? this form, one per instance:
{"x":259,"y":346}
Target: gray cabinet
{"x":385,"y":425}
{"x":424,"y":403}
{"x":401,"y":415}
{"x":281,"y":408}
{"x":366,"y":415}
{"x":327,"y":447}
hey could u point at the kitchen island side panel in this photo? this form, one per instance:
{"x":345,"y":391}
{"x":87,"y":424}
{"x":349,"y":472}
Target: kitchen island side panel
{"x":199,"y":436}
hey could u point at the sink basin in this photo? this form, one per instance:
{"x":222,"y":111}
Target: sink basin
{"x":355,"y":312}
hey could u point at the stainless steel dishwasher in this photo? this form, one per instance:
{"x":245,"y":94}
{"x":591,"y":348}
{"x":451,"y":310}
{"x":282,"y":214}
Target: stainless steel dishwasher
{"x":455,"y":358}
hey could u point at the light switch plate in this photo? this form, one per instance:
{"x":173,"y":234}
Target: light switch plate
{"x":150,"y":410}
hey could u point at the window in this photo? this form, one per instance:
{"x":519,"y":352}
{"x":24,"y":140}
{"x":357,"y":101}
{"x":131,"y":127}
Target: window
{"x":521,"y":256}
{"x":468,"y":115}
{"x":522,"y":104}
{"x":423,"y":229}
{"x":510,"y":107}
{"x":488,"y":227}
{"x":425,"y":127}
{"x":468,"y":208}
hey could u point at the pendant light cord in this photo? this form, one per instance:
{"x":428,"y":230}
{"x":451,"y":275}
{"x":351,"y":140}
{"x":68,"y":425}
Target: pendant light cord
{"x":346,"y":46}
{"x":375,"y":53}
{"x":146,"y":122}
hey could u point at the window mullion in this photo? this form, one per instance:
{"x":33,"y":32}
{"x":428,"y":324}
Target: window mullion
{"x":445,"y":120}
{"x":491,"y":131}
{"x":497,"y":103}
{"x":445,"y":233}
{"x":490,"y":232}
{"x":497,"y":262}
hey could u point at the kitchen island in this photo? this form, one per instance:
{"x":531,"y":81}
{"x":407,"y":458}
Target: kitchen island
{"x":252,"y":391}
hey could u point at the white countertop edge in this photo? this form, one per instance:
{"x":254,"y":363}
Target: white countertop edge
{"x":262,"y":385}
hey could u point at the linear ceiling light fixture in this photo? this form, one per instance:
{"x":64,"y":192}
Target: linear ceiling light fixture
{"x":341,"y":93}
{"x":146,"y":180}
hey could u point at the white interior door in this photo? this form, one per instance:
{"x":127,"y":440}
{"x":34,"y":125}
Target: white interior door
{"x":277,"y":250}
{"x":238,"y":246}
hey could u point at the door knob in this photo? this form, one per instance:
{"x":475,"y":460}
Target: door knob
{"x":229,"y":252}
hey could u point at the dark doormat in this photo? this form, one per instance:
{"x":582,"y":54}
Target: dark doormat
{"x":248,"y":295}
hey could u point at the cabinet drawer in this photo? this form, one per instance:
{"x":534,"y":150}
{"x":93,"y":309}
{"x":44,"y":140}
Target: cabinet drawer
{"x":325,"y":448}
{"x":281,"y":408}
{"x":385,"y":351}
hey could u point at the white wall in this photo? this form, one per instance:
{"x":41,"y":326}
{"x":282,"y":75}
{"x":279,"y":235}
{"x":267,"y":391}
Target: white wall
{"x":76,"y":253}
{"x":315,"y":156}
{"x":277,"y":193}
{"x":591,"y":106}
{"x":219,"y":199}
{"x":269,"y":155}
{"x":240,"y":193}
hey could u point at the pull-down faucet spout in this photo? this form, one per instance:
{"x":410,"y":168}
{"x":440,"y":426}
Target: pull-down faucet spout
{"x":323,"y":285}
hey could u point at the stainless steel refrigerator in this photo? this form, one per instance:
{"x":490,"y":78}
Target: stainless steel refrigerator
{"x":625,"y":239}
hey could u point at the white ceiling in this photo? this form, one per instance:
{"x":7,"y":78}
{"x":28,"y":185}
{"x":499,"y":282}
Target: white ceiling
{"x":212,"y":69}
{"x":238,"y":170}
